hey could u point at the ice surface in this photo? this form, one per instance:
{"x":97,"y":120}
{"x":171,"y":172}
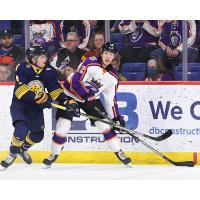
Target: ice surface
{"x":99,"y":172}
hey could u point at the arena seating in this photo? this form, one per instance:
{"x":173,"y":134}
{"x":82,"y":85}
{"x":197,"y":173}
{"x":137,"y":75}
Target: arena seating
{"x":118,"y":39}
{"x":19,"y":40}
{"x":193,"y":72}
{"x":134,"y":71}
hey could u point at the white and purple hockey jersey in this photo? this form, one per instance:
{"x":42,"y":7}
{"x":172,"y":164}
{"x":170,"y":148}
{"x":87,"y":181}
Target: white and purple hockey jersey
{"x":92,"y":80}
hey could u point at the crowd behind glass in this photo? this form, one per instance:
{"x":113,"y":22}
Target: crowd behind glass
{"x":148,"y":50}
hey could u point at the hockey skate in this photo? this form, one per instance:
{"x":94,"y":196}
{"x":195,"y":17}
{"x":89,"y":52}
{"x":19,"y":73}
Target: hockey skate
{"x":51,"y":159}
{"x":122,"y":157}
{"x":25,"y":156}
{"x":8,"y":161}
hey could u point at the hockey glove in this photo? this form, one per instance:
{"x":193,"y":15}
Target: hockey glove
{"x":43,"y":100}
{"x":120,"y":121}
{"x":72,"y":107}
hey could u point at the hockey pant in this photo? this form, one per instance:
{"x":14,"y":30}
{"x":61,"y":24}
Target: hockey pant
{"x":28,"y":123}
{"x":64,"y":124}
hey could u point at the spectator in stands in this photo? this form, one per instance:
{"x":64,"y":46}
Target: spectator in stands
{"x":6,"y":68}
{"x":116,"y":64}
{"x":96,"y":42}
{"x":8,"y":47}
{"x":81,"y":27}
{"x":71,"y":50}
{"x":44,"y":33}
{"x":171,"y":44}
{"x":141,"y":38}
{"x":156,"y":71}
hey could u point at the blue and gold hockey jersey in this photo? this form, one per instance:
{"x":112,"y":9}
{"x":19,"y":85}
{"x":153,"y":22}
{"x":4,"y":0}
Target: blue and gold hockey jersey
{"x":30,"y":81}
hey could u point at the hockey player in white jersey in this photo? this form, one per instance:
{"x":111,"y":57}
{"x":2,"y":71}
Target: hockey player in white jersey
{"x":93,"y":77}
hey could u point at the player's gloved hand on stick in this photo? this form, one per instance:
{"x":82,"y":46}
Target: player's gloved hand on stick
{"x":72,"y":107}
{"x":120,"y":121}
{"x":43,"y":100}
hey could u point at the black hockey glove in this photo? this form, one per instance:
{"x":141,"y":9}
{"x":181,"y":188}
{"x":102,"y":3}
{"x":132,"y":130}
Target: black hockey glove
{"x":72,"y":108}
{"x":119,"y":120}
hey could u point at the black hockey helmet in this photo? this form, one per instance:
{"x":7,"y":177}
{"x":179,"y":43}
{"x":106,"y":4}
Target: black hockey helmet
{"x":35,"y":51}
{"x":109,"y":46}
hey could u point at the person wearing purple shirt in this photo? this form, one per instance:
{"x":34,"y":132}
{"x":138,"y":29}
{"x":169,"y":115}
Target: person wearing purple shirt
{"x":141,"y":37}
{"x":171,"y":44}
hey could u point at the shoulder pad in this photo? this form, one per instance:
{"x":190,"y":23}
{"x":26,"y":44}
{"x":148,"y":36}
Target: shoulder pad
{"x":91,"y":61}
{"x":49,"y":68}
{"x":23,"y":66}
{"x":28,"y":65}
{"x":114,"y":72}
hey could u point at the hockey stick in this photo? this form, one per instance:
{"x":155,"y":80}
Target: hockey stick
{"x":183,"y":163}
{"x":162,"y":137}
{"x":159,"y":138}
{"x":167,"y":134}
{"x":111,"y":122}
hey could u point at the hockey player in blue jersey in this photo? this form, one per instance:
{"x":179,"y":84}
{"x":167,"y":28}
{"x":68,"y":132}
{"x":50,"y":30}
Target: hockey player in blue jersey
{"x":33,"y":78}
{"x":93,"y":77}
